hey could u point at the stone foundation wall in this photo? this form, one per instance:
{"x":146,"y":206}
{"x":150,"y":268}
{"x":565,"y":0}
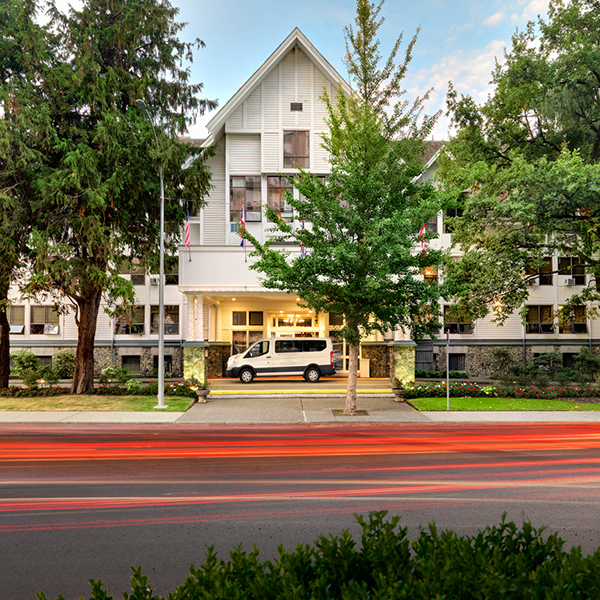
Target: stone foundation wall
{"x":104,"y":357}
{"x":379,"y":357}
{"x":216,"y":361}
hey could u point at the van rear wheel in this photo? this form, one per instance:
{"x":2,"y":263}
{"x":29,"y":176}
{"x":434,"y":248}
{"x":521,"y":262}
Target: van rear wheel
{"x":246,"y":376}
{"x":312,"y":375}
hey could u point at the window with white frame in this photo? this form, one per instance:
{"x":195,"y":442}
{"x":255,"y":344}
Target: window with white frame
{"x":544,"y":272}
{"x":130,"y":323}
{"x":577,"y":325}
{"x":133,"y":268}
{"x":44,"y":320}
{"x":296,"y":151}
{"x":569,"y":266}
{"x":171,"y":319}
{"x":277,"y":188}
{"x":244,"y":191}
{"x":16,"y":319}
{"x":455,"y":322}
{"x":539,"y":319}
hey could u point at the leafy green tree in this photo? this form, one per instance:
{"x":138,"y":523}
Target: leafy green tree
{"x":524,"y":166}
{"x":364,"y":218}
{"x":17,"y":23}
{"x":91,"y":172}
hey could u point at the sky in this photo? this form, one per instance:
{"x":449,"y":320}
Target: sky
{"x":459,"y":41}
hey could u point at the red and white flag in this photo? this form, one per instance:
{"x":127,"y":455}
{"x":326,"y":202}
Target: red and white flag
{"x":187,"y":228}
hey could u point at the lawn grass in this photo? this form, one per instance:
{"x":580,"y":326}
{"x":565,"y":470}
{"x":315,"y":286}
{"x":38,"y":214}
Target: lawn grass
{"x":95,"y":403}
{"x":491,"y":403}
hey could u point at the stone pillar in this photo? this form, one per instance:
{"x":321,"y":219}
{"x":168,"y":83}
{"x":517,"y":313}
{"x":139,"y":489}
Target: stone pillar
{"x":403,"y":362}
{"x":194,"y":362}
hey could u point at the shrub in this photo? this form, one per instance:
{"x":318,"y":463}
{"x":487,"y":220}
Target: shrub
{"x":502,"y":561}
{"x":120,"y":375}
{"x":63,"y":364}
{"x":26,"y":366}
{"x":134,"y":386}
{"x":587,"y":362}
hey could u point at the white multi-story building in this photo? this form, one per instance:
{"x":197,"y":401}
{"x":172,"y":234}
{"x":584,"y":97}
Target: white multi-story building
{"x":215,"y":305}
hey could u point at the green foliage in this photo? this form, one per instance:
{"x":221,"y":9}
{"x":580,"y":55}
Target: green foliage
{"x":134,"y":386}
{"x":120,"y":375}
{"x":502,"y":561}
{"x":438,"y":374}
{"x":63,"y":364}
{"x":75,"y":146}
{"x":473,"y":390}
{"x":587,"y":362}
{"x":26,"y":366}
{"x":529,"y":158}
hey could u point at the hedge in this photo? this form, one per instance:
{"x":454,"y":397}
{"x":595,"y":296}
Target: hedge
{"x":176,"y":389}
{"x":503,"y":562}
{"x":466,"y":389}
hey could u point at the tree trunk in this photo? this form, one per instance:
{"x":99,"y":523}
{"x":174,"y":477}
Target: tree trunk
{"x":350,"y":408}
{"x":4,"y":338}
{"x":88,"y":307}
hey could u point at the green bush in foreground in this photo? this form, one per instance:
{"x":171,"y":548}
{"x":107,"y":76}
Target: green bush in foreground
{"x":502,"y":562}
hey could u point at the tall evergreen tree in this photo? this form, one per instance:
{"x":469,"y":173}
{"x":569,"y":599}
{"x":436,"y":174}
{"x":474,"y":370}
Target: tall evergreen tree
{"x":361,"y":258}
{"x":95,"y":194}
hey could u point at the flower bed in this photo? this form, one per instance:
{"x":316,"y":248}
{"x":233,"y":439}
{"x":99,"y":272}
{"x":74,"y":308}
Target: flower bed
{"x":466,"y":389}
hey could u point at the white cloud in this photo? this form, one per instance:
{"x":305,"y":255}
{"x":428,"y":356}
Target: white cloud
{"x":494,"y":19}
{"x":535,"y":8}
{"x":514,"y":18}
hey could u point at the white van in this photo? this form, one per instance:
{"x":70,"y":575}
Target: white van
{"x":309,"y":357}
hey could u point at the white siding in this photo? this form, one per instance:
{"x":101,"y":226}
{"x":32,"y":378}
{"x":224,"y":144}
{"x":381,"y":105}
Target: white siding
{"x":288,"y":92}
{"x":271,"y":99}
{"x":213,"y":214}
{"x":252,"y":110}
{"x":512,"y":329}
{"x":271,"y":152}
{"x":236,"y":120}
{"x":305,"y":72}
{"x":244,"y":154}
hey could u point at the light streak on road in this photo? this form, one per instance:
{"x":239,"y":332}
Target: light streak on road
{"x":307,"y":442}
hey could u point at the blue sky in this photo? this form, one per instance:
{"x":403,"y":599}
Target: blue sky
{"x":459,"y":41}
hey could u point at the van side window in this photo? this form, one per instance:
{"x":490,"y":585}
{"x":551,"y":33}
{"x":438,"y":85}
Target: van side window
{"x":314,"y":345}
{"x":288,"y":345}
{"x":258,"y":350}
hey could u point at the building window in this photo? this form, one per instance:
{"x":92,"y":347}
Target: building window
{"x":172,"y":272}
{"x":244,"y":191}
{"x":296,"y":106}
{"x":456,"y":362}
{"x":132,"y":322}
{"x":168,"y":364}
{"x":432,"y":225}
{"x":238,"y":318}
{"x":430,"y":274}
{"x":133,"y":268}
{"x":577,"y":325}
{"x":276,"y":197}
{"x":171,"y":320}
{"x":450,"y":213}
{"x":539,"y":319}
{"x":241,"y":340}
{"x":570,"y":268}
{"x":131,"y":363}
{"x":16,"y":319}
{"x":296,"y":149}
{"x":45,"y":361}
{"x":454,"y":322}
{"x":255,"y":318}
{"x":44,"y":320}
{"x":544,"y":272}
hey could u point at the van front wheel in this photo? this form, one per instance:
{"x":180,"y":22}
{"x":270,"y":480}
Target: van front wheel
{"x":312,"y":375}
{"x":246,"y":376}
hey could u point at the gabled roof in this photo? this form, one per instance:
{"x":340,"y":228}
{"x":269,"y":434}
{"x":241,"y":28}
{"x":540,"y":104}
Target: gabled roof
{"x":296,"y":38}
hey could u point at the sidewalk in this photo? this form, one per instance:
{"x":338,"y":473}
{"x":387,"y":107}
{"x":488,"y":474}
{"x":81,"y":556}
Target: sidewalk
{"x":295,"y":401}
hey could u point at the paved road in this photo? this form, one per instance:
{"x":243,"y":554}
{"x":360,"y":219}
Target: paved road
{"x":80,"y":502}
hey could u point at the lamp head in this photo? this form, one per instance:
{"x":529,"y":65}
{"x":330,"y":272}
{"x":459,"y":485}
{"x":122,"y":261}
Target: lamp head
{"x":140,"y":104}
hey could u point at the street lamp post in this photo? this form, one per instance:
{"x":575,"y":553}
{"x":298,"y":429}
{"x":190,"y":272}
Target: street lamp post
{"x":161,"y":286}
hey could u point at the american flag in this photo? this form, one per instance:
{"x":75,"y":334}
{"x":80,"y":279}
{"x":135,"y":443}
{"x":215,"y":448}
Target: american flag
{"x":243,"y":224}
{"x":422,"y":243}
{"x":187,"y":228}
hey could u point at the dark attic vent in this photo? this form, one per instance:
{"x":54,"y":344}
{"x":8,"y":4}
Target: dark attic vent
{"x":296,"y":106}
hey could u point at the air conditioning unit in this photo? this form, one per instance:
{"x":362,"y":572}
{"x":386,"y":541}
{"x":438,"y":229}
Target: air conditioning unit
{"x":567,"y":281}
{"x":154,"y":279}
